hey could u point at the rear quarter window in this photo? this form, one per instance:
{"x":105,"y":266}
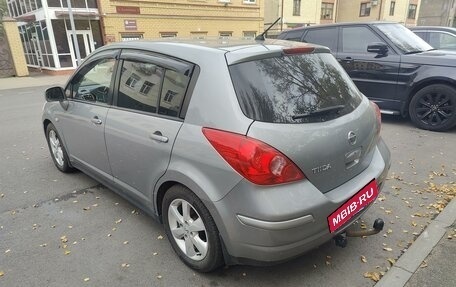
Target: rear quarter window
{"x":278,"y":89}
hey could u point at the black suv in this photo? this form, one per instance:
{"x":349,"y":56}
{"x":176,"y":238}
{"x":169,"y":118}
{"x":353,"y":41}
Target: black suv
{"x":393,"y":67}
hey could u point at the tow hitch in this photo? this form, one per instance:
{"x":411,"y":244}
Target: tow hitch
{"x":341,"y":239}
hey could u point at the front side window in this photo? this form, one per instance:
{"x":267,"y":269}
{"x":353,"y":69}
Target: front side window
{"x":365,"y":9}
{"x":442,"y":40}
{"x":139,"y":87}
{"x":327,"y":11}
{"x":290,"y":89}
{"x":403,"y":38}
{"x":93,"y":81}
{"x":296,"y":7}
{"x":356,"y":39}
{"x":411,"y":11}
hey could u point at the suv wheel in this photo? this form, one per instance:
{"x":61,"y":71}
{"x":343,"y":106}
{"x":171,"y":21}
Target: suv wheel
{"x":434,"y":108}
{"x":191,"y":229}
{"x":58,"y":152}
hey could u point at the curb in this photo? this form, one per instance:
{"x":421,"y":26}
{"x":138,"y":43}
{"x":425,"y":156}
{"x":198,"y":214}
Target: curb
{"x":411,"y":260}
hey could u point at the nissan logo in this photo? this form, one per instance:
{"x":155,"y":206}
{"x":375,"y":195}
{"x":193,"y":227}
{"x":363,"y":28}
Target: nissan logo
{"x":352,"y":138}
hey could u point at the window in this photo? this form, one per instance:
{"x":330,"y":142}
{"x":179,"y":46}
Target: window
{"x":249,"y":1}
{"x":93,"y":81}
{"x":327,"y":11}
{"x":356,"y":39}
{"x":365,"y":9}
{"x":442,"y":40}
{"x":174,"y":87}
{"x":225,"y":34}
{"x":198,"y":35}
{"x":249,"y":34}
{"x":168,"y":34}
{"x":294,"y":35}
{"x":411,"y":11}
{"x":131,"y":37}
{"x":392,"y":6}
{"x":145,"y":89}
{"x":140,"y":85}
{"x":296,"y":7}
{"x":132,"y":80}
{"x":325,"y":37}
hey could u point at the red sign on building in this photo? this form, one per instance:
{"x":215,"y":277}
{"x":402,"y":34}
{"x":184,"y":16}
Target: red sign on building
{"x":127,"y":10}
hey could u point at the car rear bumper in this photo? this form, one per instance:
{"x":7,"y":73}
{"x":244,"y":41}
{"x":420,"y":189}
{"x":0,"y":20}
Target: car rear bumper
{"x":273,"y":224}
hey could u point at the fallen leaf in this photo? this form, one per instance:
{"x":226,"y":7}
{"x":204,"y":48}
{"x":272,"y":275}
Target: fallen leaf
{"x":86,"y":279}
{"x":363,"y":259}
{"x":391,"y":261}
{"x":389,"y":231}
{"x":414,"y":223}
{"x":387,"y":249}
{"x":125,"y":242}
{"x":328,"y":263}
{"x":64,"y":239}
{"x":86,"y":208}
{"x":43,"y":245}
{"x":375,"y":276}
{"x":118,"y":221}
{"x":2,"y":273}
{"x":244,"y":274}
{"x":7,"y":250}
{"x":109,"y":235}
{"x":67,"y":252}
{"x":159,"y":237}
{"x":424,"y":264}
{"x":154,"y":254}
{"x":159,"y":277}
{"x":125,"y":265}
{"x":95,"y":205}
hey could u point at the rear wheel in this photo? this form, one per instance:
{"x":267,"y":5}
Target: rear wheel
{"x":191,"y":229}
{"x":58,"y":152}
{"x":434,"y":107}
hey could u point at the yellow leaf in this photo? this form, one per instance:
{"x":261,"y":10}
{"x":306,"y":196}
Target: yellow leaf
{"x":375,"y":276}
{"x":389,"y":231}
{"x":391,"y":261}
{"x":363,"y":259}
{"x":154,"y":254}
{"x":86,"y":279}
{"x":125,"y":242}
{"x":2,"y":273}
{"x":388,"y":211}
{"x":414,"y":223}
{"x":159,"y":277}
{"x":159,"y":237}
{"x":387,"y":249}
{"x":67,"y":252}
{"x":424,"y":264}
{"x":118,"y":221}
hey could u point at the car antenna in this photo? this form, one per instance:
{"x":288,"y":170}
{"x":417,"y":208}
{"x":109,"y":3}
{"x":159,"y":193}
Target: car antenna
{"x":261,"y":36}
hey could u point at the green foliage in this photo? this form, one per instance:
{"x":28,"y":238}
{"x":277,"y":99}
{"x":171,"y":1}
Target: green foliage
{"x":3,"y":12}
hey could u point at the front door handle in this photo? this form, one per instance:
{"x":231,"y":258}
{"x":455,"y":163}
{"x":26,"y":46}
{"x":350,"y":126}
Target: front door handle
{"x":96,"y":120}
{"x":157,"y":136}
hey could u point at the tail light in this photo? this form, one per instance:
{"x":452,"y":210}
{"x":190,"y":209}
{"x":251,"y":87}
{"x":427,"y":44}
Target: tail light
{"x":378,"y":115}
{"x":253,"y":159}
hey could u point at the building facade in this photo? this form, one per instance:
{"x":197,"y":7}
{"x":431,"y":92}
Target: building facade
{"x":437,"y":13}
{"x":401,"y":11}
{"x":47,"y":34}
{"x":296,"y":13}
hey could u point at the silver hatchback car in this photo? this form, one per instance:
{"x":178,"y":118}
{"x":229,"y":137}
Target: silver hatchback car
{"x":248,"y":152}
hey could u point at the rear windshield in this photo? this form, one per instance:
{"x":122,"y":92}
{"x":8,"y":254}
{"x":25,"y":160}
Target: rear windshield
{"x":294,"y":89}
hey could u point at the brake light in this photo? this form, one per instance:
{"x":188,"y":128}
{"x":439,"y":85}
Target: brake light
{"x":298,"y":50}
{"x":378,"y":115}
{"x":254,"y":160}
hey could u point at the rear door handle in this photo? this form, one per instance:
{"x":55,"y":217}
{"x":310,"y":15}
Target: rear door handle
{"x":157,"y":136}
{"x":96,"y":120}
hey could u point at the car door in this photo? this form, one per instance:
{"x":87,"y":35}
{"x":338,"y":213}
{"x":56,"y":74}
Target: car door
{"x":142,"y":127}
{"x":89,"y":95}
{"x":375,"y":75}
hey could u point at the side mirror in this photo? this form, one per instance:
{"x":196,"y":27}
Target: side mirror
{"x":55,"y":94}
{"x":378,"y":48}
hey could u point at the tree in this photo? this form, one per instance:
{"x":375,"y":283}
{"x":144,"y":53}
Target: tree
{"x":3,"y":12}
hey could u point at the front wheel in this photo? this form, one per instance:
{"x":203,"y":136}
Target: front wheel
{"x":434,"y":108}
{"x":58,"y":152}
{"x":191,"y":229}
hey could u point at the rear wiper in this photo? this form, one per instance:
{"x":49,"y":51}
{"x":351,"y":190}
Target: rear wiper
{"x":324,"y":111}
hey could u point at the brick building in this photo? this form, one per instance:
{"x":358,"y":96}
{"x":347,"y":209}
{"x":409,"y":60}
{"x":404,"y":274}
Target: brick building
{"x":46,"y":31}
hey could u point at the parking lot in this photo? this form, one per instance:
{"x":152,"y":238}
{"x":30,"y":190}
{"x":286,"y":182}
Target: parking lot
{"x":67,"y":230}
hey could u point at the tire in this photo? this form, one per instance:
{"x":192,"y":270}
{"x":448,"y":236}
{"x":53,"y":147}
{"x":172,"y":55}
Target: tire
{"x":57,"y":150}
{"x":195,"y":239}
{"x":434,"y":108}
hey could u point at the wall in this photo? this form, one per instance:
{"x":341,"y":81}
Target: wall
{"x":184,"y":17}
{"x":15,"y":46}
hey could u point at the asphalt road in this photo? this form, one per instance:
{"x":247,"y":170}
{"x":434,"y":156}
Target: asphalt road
{"x":67,"y":230}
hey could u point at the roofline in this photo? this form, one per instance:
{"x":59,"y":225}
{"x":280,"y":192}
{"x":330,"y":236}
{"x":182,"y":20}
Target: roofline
{"x":343,"y":24}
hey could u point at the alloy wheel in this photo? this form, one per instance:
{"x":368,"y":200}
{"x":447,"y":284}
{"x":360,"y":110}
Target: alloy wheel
{"x":56,"y":148}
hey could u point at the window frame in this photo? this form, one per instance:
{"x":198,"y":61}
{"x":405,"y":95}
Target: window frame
{"x":412,"y":10}
{"x":296,"y":7}
{"x":392,"y":8}
{"x":324,"y":7}
{"x":105,"y":54}
{"x":366,"y":8}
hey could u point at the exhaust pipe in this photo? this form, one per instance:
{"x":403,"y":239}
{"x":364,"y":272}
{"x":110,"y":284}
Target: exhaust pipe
{"x":341,"y":239}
